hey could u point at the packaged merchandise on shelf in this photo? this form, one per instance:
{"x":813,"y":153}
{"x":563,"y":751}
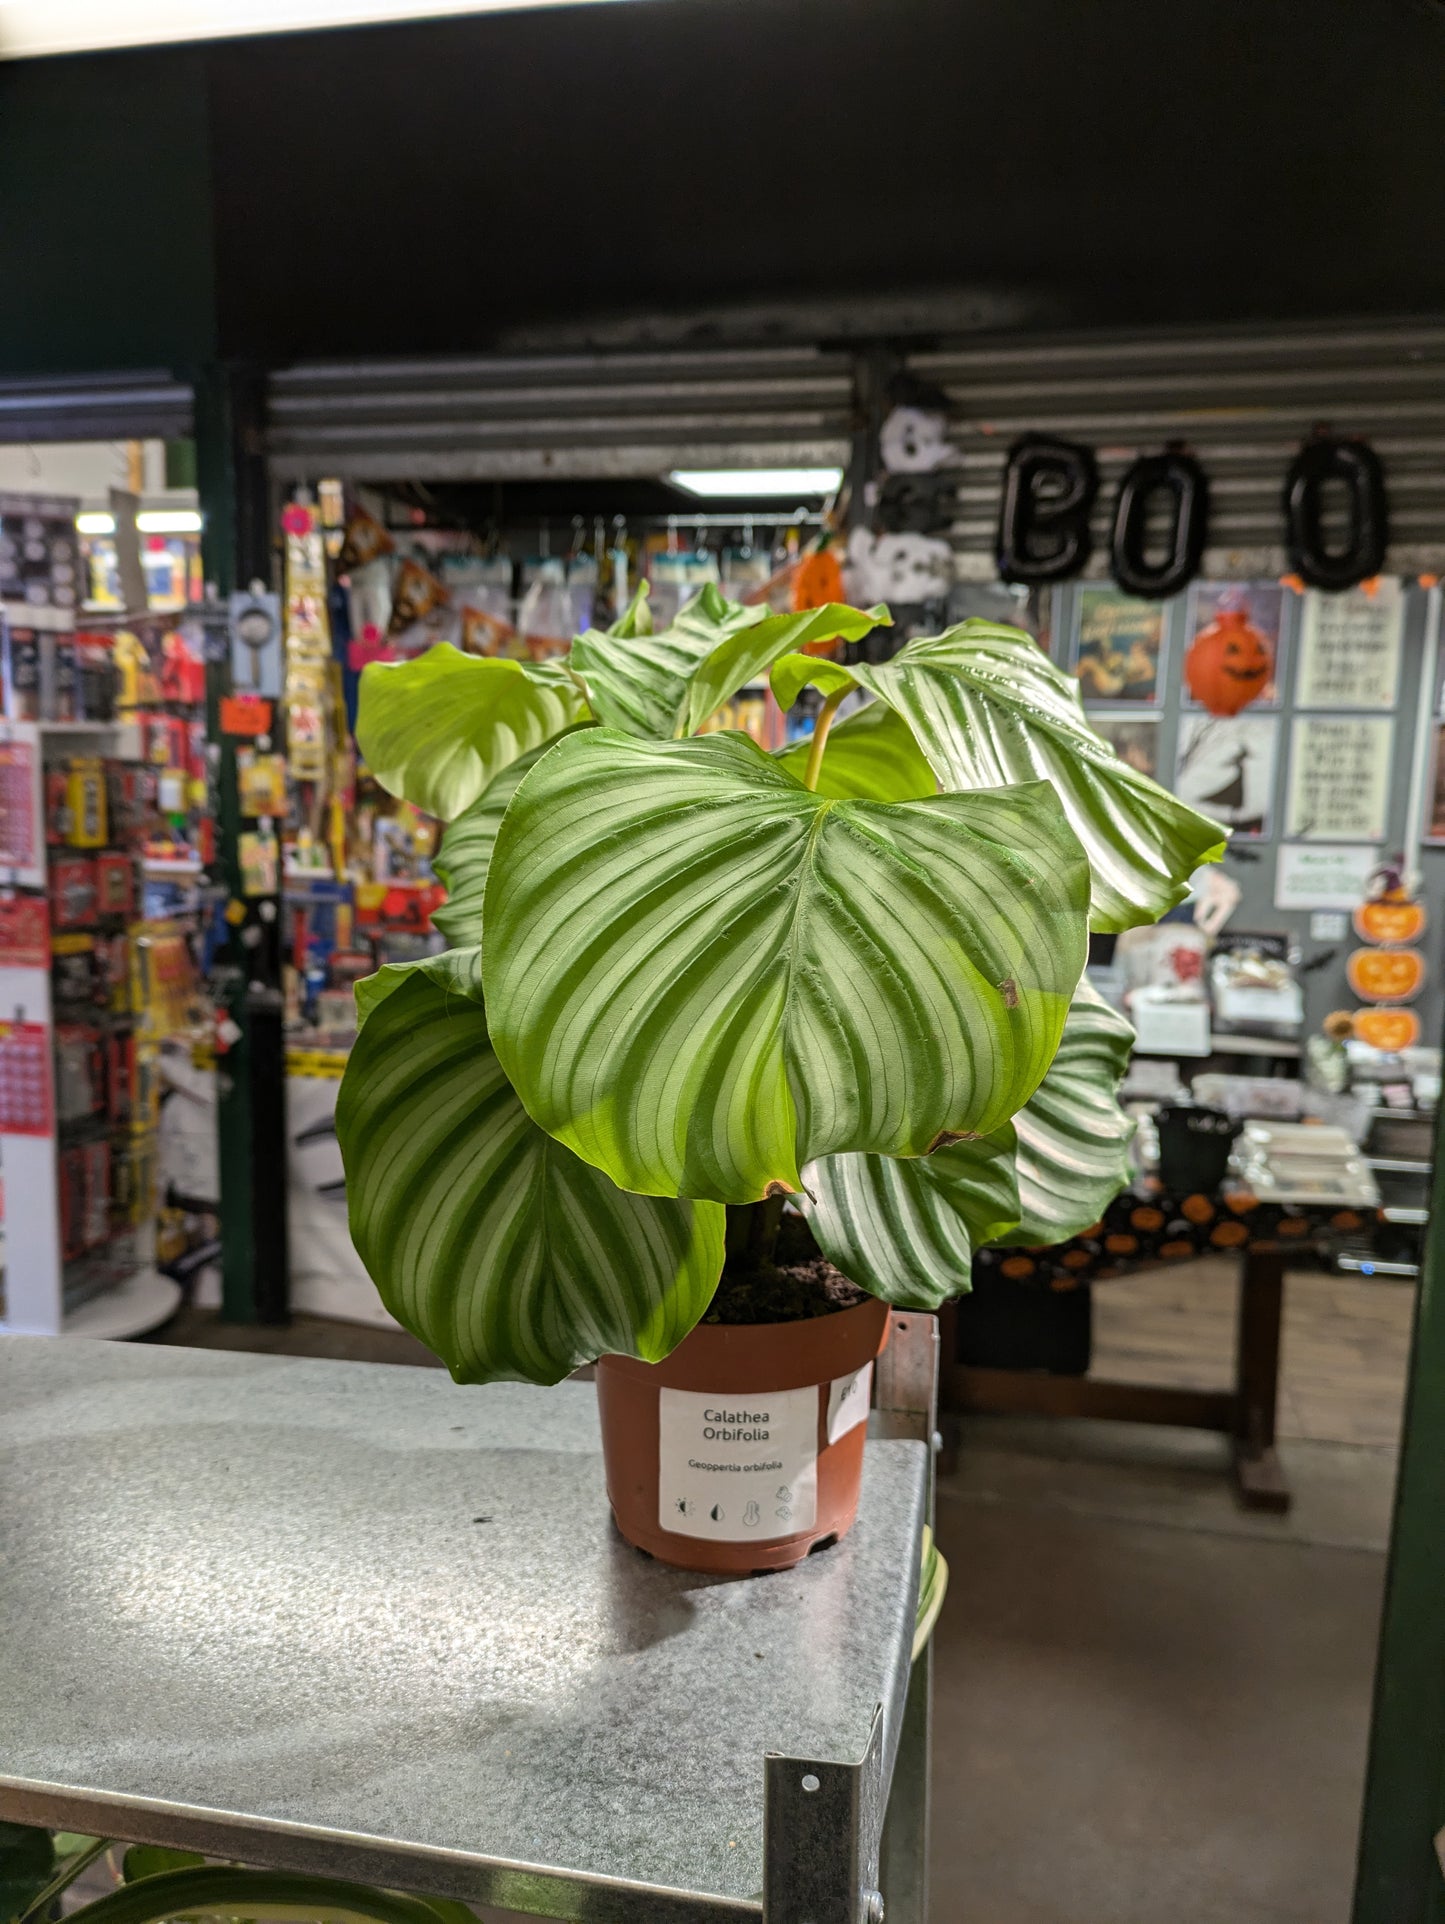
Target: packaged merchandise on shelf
{"x":20,"y":665}
{"x":73,"y":892}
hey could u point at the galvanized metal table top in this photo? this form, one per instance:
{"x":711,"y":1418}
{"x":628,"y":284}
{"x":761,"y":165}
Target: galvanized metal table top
{"x":354,"y":1618}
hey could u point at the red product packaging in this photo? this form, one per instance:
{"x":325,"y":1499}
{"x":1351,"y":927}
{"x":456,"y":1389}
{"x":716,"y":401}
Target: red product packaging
{"x":115,"y":884}
{"x":132,"y":799}
{"x":73,"y":894}
{"x":24,"y":932}
{"x":57,"y":806}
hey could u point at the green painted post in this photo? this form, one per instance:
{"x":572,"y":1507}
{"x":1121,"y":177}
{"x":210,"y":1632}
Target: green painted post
{"x":1399,"y":1879}
{"x":250,"y":1116}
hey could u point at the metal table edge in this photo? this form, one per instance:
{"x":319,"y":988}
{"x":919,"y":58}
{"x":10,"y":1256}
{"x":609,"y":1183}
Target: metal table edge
{"x":392,"y":1863}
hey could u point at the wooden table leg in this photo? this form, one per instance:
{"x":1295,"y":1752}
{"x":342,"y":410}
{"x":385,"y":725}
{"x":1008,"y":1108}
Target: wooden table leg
{"x":1257,"y":1468}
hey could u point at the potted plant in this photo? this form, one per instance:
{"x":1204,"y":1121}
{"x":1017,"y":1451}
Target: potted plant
{"x":719,"y":1029}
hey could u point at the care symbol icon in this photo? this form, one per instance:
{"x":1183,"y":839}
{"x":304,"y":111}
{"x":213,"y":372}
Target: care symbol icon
{"x":717,"y":1513}
{"x":751,"y":1514}
{"x":783,"y":1512}
{"x":785,"y":1495}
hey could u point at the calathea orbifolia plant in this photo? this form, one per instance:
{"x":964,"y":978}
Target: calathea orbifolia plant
{"x":688,"y":976}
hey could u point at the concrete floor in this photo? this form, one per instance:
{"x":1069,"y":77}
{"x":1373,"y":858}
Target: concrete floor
{"x":1150,"y":1705}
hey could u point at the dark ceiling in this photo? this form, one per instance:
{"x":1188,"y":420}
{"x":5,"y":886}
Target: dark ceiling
{"x":697,"y":169}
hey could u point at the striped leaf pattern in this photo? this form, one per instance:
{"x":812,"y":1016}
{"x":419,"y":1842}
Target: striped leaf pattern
{"x":870,"y":756}
{"x":1073,"y":1138}
{"x":455,"y":972}
{"x":505,"y":1254}
{"x":744,"y":656}
{"x":662,"y":685}
{"x":701,"y":975}
{"x":906,"y":1230}
{"x":989,"y":708}
{"x":465,"y":853}
{"x":437,"y":729}
{"x":638,"y":681}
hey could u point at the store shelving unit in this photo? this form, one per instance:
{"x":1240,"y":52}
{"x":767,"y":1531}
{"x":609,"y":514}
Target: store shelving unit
{"x":138,"y":1298}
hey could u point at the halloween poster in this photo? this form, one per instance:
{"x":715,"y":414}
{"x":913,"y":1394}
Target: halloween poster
{"x":1339,"y":778}
{"x":1225,"y":768}
{"x":1434,"y":825}
{"x":1133,"y":738}
{"x":1350,"y":647}
{"x":1117,"y":644}
{"x":1233,"y":658}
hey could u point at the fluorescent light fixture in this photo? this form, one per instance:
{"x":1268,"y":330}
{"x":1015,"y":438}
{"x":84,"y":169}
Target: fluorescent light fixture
{"x":148,"y":521}
{"x":168,"y":521}
{"x":743,"y":484}
{"x":32,"y":27}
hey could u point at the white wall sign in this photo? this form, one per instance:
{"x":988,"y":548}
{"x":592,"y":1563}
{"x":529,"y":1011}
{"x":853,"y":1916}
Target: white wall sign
{"x":1339,"y":778}
{"x":1350,"y":648}
{"x":1317,"y":875}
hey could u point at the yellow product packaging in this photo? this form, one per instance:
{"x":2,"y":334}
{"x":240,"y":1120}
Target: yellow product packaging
{"x":85,"y":804}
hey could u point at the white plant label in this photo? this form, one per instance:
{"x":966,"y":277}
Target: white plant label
{"x":848,"y":1402}
{"x":736,"y":1466}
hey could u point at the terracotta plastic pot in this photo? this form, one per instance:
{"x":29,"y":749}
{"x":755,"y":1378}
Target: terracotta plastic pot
{"x":744,"y":1450}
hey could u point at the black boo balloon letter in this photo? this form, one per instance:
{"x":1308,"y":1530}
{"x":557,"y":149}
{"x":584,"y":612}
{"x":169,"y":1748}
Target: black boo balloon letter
{"x":1328,"y":459}
{"x":1043,"y":529}
{"x":1183,"y":480}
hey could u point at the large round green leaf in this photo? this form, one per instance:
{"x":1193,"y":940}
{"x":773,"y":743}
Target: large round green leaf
{"x":466,"y":852}
{"x":700,"y":975}
{"x":906,"y":1229}
{"x":504,"y":1252}
{"x":1073,"y":1138}
{"x":988,"y":708}
{"x":437,"y":729}
{"x":871,"y":756}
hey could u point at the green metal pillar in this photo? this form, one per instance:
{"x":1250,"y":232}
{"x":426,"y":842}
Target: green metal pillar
{"x":250,"y":1073}
{"x":1399,"y":1878}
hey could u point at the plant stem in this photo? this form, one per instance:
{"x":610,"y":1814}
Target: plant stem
{"x":820,"y":737}
{"x":66,"y":1875}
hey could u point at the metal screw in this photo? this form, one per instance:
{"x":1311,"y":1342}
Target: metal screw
{"x":873,"y":1908}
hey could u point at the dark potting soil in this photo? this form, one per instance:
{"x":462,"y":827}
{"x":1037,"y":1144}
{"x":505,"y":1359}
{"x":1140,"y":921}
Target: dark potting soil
{"x":786,"y":1294}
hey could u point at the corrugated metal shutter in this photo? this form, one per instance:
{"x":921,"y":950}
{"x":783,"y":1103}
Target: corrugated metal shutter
{"x":1241,"y":401}
{"x":564,"y":417}
{"x":98,"y":407}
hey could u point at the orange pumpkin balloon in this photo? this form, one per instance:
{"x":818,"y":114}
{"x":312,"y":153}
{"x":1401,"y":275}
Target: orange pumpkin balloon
{"x":1229,"y":663}
{"x":1390,"y":919}
{"x":1386,"y":975}
{"x":1389,"y":1029}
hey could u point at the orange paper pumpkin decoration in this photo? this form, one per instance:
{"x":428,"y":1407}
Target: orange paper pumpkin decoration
{"x":1229,"y":663}
{"x":1389,"y":1029}
{"x":817,"y":579}
{"x":1386,"y":975}
{"x":1390,"y":919}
